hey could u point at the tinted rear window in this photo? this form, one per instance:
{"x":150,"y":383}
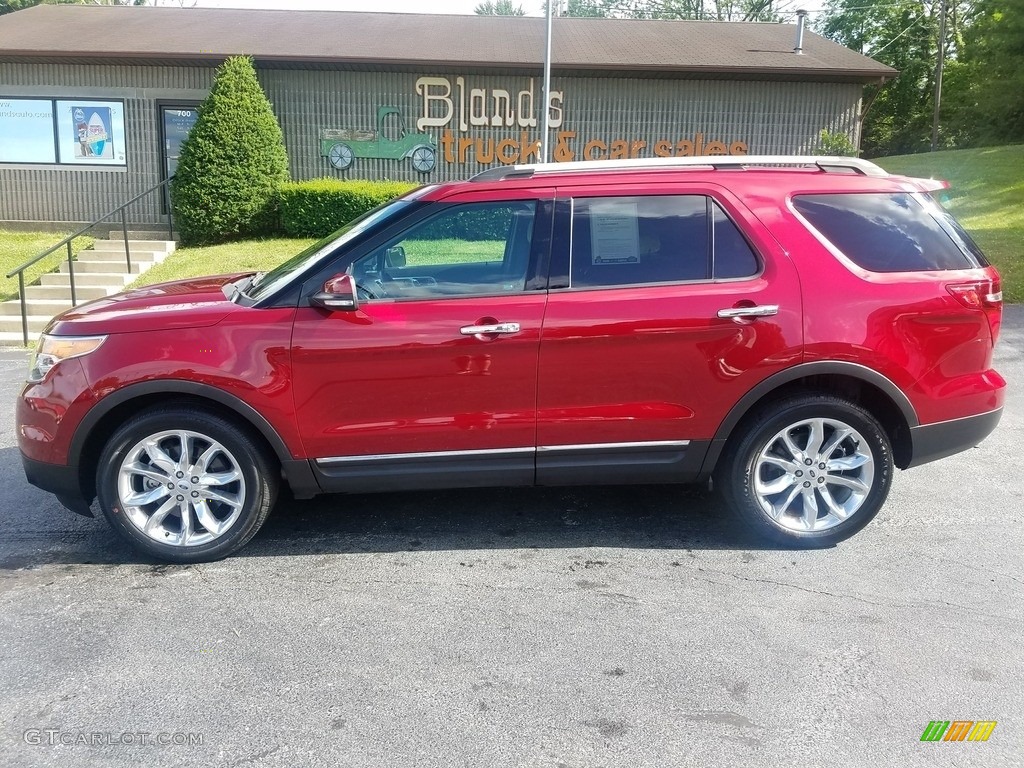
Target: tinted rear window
{"x":887,"y":232}
{"x":936,"y":201}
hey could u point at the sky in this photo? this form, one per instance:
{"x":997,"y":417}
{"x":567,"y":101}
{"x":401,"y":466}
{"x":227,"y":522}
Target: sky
{"x":532,"y":7}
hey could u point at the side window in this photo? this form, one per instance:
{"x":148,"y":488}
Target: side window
{"x":657,"y":239}
{"x":469,"y":249}
{"x":883,"y":232}
{"x":733,"y":255}
{"x":391,"y":127}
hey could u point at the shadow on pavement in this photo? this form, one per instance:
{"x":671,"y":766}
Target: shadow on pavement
{"x":648,"y":517}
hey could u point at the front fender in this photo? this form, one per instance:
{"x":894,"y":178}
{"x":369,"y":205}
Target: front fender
{"x":296,"y":470}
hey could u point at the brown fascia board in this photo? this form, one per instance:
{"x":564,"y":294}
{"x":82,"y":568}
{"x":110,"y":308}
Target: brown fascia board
{"x":821,"y":74}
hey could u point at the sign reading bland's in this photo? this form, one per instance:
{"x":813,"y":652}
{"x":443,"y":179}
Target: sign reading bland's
{"x":26,"y":131}
{"x":453,"y":105}
{"x":477,"y":107}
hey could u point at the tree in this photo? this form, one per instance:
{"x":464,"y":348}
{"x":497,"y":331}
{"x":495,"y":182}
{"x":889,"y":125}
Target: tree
{"x":983,"y":85}
{"x":232,"y":162}
{"x":499,"y":8}
{"x":9,"y":6}
{"x":712,"y":10}
{"x":904,"y":35}
{"x":984,"y":101}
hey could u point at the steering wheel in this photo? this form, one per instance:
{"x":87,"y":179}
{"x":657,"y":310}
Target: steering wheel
{"x":362,"y":292}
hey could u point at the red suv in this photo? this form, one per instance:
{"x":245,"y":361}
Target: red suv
{"x":792,"y":328}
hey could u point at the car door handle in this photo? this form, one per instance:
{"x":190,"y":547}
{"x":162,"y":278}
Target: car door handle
{"x":763,"y":310}
{"x":484,"y":330}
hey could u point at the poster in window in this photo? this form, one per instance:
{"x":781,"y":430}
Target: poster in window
{"x":614,"y":232}
{"x":26,"y":131}
{"x":91,"y":132}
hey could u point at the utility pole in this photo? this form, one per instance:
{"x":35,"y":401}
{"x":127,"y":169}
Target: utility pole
{"x":545,"y":149}
{"x":938,"y":75}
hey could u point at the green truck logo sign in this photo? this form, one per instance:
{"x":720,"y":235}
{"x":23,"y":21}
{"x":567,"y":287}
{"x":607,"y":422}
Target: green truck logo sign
{"x":390,"y":140}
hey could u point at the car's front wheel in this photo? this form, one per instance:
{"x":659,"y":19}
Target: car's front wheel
{"x":809,"y":471}
{"x":184,"y":486}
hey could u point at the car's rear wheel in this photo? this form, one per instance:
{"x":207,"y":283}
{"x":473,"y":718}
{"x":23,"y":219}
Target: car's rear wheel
{"x":808,"y":471}
{"x":184,"y":485}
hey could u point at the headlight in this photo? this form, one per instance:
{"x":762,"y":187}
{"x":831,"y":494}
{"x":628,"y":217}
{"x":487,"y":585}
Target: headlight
{"x":52,"y":349}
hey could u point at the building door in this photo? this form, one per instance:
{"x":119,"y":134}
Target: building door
{"x":175,"y":123}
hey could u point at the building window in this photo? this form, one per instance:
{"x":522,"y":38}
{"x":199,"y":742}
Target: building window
{"x":62,"y":132}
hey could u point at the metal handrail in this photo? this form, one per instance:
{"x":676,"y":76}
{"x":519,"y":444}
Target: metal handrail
{"x":66,"y":242}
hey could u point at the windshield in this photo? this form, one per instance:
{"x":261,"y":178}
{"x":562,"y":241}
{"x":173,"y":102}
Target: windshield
{"x":265,"y":284}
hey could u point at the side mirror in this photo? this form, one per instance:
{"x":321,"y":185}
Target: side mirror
{"x":395,"y":256}
{"x":339,"y":293}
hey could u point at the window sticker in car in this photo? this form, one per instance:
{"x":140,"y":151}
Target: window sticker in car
{"x":614,"y":232}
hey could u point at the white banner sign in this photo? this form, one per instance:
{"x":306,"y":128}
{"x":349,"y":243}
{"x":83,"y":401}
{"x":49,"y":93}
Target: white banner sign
{"x":26,"y":131}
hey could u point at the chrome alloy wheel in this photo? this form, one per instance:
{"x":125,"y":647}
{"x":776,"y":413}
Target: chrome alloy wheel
{"x":814,"y":474}
{"x":181,"y":488}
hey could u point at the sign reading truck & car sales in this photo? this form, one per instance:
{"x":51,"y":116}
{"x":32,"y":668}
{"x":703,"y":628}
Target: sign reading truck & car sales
{"x":457,"y":108}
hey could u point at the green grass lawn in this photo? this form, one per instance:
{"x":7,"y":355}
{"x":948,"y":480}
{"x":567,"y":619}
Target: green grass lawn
{"x":262,"y":255}
{"x":241,"y":256}
{"x":18,"y":247}
{"x":987,"y":197}
{"x":452,"y":251}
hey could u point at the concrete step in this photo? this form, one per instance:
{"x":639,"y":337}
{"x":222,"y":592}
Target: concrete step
{"x":82,"y":292}
{"x":106,"y":279}
{"x":117,"y":257}
{"x":11,"y":324}
{"x":99,"y":272}
{"x":84,"y":265}
{"x":40,"y":307}
{"x":135,"y":245}
{"x":147,"y":234}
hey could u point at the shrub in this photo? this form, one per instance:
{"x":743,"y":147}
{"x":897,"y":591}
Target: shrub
{"x":835,"y":145}
{"x":318,"y":207}
{"x":232,"y":162}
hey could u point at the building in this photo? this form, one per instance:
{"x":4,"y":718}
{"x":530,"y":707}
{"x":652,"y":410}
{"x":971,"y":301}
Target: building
{"x":95,"y":101}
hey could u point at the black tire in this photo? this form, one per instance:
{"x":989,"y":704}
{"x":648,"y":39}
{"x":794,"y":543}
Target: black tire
{"x":241,"y":505}
{"x":749,"y":464}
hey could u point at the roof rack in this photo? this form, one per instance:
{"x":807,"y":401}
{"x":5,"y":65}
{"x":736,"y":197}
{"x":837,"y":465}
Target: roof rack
{"x":827,"y":164}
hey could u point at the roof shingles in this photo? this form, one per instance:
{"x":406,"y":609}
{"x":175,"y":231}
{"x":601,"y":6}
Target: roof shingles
{"x":141,"y":33}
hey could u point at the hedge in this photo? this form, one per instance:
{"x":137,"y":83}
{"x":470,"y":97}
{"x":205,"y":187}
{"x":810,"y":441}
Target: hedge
{"x":317,"y":208}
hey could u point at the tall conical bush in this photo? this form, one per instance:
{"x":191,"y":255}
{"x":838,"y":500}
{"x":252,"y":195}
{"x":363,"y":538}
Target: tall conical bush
{"x":232,"y":162}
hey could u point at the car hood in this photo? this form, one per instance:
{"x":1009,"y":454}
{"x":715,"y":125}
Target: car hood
{"x":193,"y":303}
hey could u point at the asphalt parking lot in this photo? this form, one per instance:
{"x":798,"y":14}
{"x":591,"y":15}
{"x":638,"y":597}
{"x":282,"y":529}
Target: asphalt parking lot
{"x":582,"y":627}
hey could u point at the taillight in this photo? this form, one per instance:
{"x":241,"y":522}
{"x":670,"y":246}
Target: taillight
{"x":969,"y":294}
{"x":994,"y":298}
{"x":985,"y":295}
